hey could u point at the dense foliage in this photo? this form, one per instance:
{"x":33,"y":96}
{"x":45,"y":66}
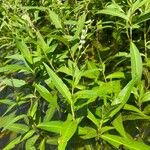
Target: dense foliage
{"x":75,"y":74}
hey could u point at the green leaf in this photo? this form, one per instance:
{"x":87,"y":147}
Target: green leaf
{"x":41,"y":42}
{"x":137,"y":5}
{"x":68,"y":129}
{"x":80,"y":25}
{"x":7,"y":102}
{"x":92,"y":118}
{"x":145,"y":97}
{"x":49,"y":113}
{"x":113,"y":12}
{"x":124,"y":94}
{"x":52,"y":126}
{"x":112,"y":87}
{"x":133,"y":108}
{"x":106,"y":129}
{"x":135,"y":116}
{"x":122,"y":97}
{"x":52,"y":140}
{"x":55,"y":19}
{"x":14,"y":82}
{"x":33,"y":109}
{"x":24,"y":50}
{"x":46,"y":94}
{"x":13,"y":120}
{"x":18,"y":140}
{"x":12,"y":68}
{"x":13,"y":143}
{"x":115,"y":75}
{"x":85,"y":94}
{"x":27,"y":135}
{"x":87,"y":132}
{"x":65,"y":70}
{"x":6,"y":119}
{"x":143,"y":18}
{"x":18,"y":128}
{"x":136,"y":62}
{"x":118,"y":124}
{"x":30,"y":142}
{"x":128,"y":143}
{"x":58,"y":83}
{"x":42,"y":144}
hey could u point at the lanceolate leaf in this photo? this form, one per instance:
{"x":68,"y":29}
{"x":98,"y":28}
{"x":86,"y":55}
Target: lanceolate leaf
{"x":87,"y":132}
{"x":46,"y":94}
{"x":18,"y":128}
{"x":24,"y":50}
{"x":137,"y":5}
{"x":118,"y":124}
{"x":124,"y":94}
{"x":30,"y":142}
{"x":52,"y":126}
{"x":14,"y":82}
{"x":13,"y":143}
{"x":68,"y":130}
{"x":136,"y":62}
{"x":58,"y":83}
{"x":14,"y":120}
{"x":92,"y":118}
{"x":123,"y":97}
{"x":55,"y":19}
{"x":12,"y":68}
{"x":80,"y":25}
{"x":143,"y":18}
{"x":128,"y":143}
{"x":18,"y":140}
{"x":113,"y":12}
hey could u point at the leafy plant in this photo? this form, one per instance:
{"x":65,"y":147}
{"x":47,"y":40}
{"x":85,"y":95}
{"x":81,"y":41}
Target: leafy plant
{"x":74,"y":74}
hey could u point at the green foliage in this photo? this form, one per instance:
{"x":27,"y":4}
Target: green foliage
{"x":74,"y":74}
